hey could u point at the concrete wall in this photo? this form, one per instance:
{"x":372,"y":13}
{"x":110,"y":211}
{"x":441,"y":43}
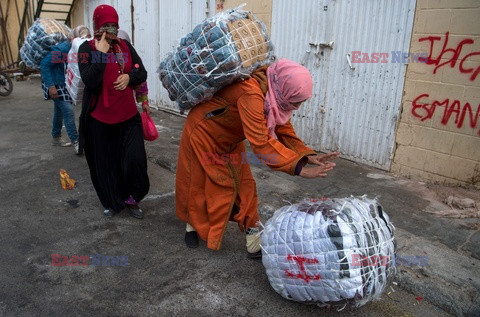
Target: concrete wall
{"x":261,"y":8}
{"x":77,"y":16}
{"x":438,"y":138}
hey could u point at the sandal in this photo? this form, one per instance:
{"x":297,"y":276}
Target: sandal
{"x":135,"y":211}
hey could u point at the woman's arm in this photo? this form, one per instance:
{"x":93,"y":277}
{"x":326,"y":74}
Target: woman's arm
{"x":137,"y":77}
{"x":286,"y":134}
{"x":250,"y":108}
{"x":91,"y":72}
{"x":45,"y":69}
{"x":290,"y":158}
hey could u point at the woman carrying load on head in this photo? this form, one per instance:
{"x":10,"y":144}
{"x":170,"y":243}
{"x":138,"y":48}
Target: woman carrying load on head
{"x":110,"y":125}
{"x":214,"y":183}
{"x":52,"y":68}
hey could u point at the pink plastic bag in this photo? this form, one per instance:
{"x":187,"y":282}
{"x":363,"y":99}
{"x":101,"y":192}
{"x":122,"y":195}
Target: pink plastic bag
{"x":150,"y":132}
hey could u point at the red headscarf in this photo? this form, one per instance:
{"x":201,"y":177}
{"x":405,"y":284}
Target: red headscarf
{"x":104,"y":14}
{"x":288,"y":83}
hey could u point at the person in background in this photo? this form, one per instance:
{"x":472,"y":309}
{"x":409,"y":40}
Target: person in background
{"x":80,"y":31}
{"x":52,"y":68}
{"x":110,"y":125}
{"x":141,"y":91}
{"x":214,"y":183}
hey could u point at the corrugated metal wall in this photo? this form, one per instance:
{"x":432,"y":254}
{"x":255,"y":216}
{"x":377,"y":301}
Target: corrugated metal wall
{"x":157,"y":25}
{"x":122,"y":7}
{"x":176,"y":19}
{"x":146,"y":37}
{"x":355,"y":110}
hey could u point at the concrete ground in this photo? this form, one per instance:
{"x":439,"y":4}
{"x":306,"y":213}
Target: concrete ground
{"x":163,"y":276}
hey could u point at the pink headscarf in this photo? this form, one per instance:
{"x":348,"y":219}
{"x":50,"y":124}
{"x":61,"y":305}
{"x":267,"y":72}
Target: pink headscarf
{"x":288,"y":83}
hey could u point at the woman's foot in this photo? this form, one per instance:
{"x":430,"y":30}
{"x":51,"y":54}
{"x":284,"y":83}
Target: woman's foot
{"x":253,"y":237}
{"x":76,"y":148}
{"x":108,"y":213}
{"x":191,"y":237}
{"x":135,"y":211}
{"x":58,"y":141}
{"x":255,"y":255}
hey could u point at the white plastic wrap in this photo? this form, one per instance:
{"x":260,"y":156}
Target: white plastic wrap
{"x":220,"y":50}
{"x":73,"y":81}
{"x":332,"y":252}
{"x":41,"y":36}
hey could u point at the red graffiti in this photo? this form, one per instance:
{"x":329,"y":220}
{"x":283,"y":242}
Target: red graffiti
{"x":303,"y":274}
{"x":451,"y":108}
{"x":454,"y":53}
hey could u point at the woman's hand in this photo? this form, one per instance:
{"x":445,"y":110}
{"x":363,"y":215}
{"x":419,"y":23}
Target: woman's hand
{"x":52,"y":92}
{"x":317,"y":171}
{"x":146,"y":107}
{"x":122,"y":82}
{"x":323,"y":158}
{"x":102,"y":44}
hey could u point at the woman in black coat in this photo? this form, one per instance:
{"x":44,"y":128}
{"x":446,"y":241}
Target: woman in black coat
{"x":110,"y":125}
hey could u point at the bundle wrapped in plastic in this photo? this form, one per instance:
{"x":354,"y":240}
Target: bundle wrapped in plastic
{"x":333,"y":252}
{"x":220,"y":50}
{"x":73,"y":81}
{"x":41,"y":36}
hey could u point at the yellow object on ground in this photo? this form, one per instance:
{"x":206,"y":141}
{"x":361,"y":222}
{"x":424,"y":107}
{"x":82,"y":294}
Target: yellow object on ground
{"x":67,"y":182}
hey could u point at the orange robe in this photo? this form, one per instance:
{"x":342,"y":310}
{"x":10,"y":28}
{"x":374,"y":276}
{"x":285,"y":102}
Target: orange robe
{"x":212,"y":173}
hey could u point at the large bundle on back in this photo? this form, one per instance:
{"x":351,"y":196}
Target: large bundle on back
{"x":41,"y":36}
{"x":331,"y":252}
{"x":222,"y":49}
{"x":74,"y":83}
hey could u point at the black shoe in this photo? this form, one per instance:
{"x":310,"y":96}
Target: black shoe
{"x":191,"y":239}
{"x":255,"y":255}
{"x":135,"y":211}
{"x":108,"y":213}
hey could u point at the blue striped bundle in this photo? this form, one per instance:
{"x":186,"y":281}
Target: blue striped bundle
{"x":220,"y":50}
{"x":41,"y":36}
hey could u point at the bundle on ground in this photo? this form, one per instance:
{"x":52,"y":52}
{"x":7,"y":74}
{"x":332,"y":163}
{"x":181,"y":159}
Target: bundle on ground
{"x":331,"y":252}
{"x":220,"y":50}
{"x":41,"y":36}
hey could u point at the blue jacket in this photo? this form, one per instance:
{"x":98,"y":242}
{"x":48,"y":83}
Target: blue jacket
{"x":52,"y":67}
